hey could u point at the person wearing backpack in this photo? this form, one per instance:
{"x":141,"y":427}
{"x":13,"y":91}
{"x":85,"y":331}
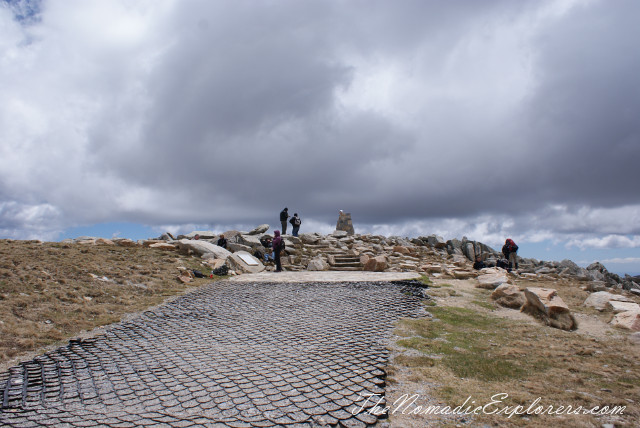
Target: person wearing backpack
{"x":278,"y":246}
{"x":284,"y":215}
{"x":295,"y":222}
{"x":510,"y":250}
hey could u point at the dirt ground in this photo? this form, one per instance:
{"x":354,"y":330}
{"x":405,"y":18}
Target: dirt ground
{"x":51,"y":292}
{"x":595,"y":365}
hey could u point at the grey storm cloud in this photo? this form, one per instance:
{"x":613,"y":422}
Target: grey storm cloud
{"x":197,"y":112}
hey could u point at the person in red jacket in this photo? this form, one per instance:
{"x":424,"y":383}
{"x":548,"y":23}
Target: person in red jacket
{"x":510,"y":250}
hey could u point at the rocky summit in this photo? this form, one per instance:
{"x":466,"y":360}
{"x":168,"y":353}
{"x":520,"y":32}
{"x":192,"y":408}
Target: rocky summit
{"x":427,"y":255}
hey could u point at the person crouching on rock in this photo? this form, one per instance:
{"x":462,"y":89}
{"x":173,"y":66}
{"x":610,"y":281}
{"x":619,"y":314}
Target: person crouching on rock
{"x":278,"y":246}
{"x":510,"y":250}
{"x":222,"y":242}
{"x":479,"y":264}
{"x":267,"y":243}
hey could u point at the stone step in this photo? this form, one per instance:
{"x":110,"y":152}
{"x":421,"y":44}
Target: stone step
{"x":345,"y":268}
{"x":349,"y":265}
{"x":347,"y":259}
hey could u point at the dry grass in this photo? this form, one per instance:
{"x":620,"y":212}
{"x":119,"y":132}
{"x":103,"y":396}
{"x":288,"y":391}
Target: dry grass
{"x":50,"y":292}
{"x":469,"y":352}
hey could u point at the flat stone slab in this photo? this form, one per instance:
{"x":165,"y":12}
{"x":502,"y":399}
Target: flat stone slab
{"x":325,"y":276}
{"x":229,"y":354}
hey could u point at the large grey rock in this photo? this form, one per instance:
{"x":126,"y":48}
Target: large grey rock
{"x":491,"y":278}
{"x":629,"y":320}
{"x":376,"y":264}
{"x":596,"y":286}
{"x":468,"y":249}
{"x":259,"y":230}
{"x":600,"y":299}
{"x":436,"y":241}
{"x":567,"y":267}
{"x":545,"y":303}
{"x":617,"y":306}
{"x":202,"y":248}
{"x":509,"y":295}
{"x":204,"y":234}
{"x":597,"y":266}
{"x":234,"y":247}
{"x":244,"y":262}
{"x":309,"y":238}
{"x":454,"y":246}
{"x":317,"y":264}
{"x":252,"y":241}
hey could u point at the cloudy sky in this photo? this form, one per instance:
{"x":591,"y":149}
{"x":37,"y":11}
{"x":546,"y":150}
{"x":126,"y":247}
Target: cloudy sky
{"x":484,"y":119}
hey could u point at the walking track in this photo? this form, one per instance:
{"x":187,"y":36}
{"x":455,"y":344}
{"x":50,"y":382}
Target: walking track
{"x":230,"y":354}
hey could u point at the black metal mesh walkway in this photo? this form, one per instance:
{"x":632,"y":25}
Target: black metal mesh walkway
{"x":228,"y":354}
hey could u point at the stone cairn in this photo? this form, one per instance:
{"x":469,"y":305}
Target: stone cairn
{"x":345,"y":224}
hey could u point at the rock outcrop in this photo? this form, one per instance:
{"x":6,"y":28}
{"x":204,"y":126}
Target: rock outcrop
{"x":243,"y":262}
{"x":544,"y":303}
{"x":509,"y":296}
{"x":202,"y":248}
{"x":600,"y":299}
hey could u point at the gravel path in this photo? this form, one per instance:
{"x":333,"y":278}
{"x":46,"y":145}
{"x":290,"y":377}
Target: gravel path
{"x":230,"y":354}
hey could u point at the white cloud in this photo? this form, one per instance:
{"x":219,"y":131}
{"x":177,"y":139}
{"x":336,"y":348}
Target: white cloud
{"x":624,"y":260}
{"x":605,"y":242}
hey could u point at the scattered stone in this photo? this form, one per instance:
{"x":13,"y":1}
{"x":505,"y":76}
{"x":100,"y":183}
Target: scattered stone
{"x":103,"y":241}
{"x":618,"y":307}
{"x":163,"y":246}
{"x":436,"y":241}
{"x":376,"y":264}
{"x":490,"y":278}
{"x":600,"y":299}
{"x":629,"y":320}
{"x":463,"y":274}
{"x":401,"y":250}
{"x":635,"y":338}
{"x":201,"y":248}
{"x":185,"y":277}
{"x":595,"y":286}
{"x":202,"y":234}
{"x":262,"y":229}
{"x":123,"y":242}
{"x":509,"y":296}
{"x":545,"y":303}
{"x":317,"y":264}
{"x":215,"y":263}
{"x":234,"y":247}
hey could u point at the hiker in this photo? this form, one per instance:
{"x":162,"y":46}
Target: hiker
{"x":278,"y":246}
{"x":267,"y":243}
{"x":479,"y":264}
{"x":222,"y":242}
{"x":510,"y":250}
{"x":284,"y":215}
{"x":295,"y":222}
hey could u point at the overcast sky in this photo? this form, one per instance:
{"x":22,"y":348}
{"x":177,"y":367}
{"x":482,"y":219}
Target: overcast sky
{"x":483,"y":119}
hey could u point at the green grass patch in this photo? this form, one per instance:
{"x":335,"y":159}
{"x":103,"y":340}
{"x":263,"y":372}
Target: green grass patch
{"x":425,"y":280}
{"x":468,"y":342}
{"x":484,"y":304}
{"x":414,"y":361}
